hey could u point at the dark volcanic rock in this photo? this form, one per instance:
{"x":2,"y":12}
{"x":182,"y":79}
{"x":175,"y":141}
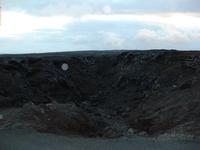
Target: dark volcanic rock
{"x":63,"y":119}
{"x":160,"y":89}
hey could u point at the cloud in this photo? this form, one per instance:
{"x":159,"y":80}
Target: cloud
{"x":111,"y":39}
{"x":16,"y":23}
{"x":147,"y":35}
{"x":100,"y":24}
{"x":165,"y":35}
{"x":63,"y":8}
{"x":173,"y":19}
{"x":107,"y":9}
{"x":80,"y":7}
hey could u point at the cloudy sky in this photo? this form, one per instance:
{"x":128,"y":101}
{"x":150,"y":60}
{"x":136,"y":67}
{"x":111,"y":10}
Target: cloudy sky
{"x":29,"y":26}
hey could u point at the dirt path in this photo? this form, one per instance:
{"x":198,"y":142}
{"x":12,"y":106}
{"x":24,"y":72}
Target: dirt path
{"x":29,"y":140}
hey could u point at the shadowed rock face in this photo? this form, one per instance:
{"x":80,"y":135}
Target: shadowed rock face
{"x":151,"y":91}
{"x":63,"y":119}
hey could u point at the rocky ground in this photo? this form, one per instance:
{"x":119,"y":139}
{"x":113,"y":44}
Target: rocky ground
{"x":26,"y":139}
{"x":102,"y":94}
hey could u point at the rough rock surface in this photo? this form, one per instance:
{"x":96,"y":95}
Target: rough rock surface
{"x":63,"y":119}
{"x":152,"y":92}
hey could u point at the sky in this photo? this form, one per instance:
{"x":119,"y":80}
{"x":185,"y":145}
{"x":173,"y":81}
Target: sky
{"x":37,"y":26}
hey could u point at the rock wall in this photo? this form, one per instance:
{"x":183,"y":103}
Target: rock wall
{"x":151,"y":91}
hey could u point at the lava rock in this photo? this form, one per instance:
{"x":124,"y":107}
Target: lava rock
{"x":64,"y":119}
{"x":160,"y":88}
